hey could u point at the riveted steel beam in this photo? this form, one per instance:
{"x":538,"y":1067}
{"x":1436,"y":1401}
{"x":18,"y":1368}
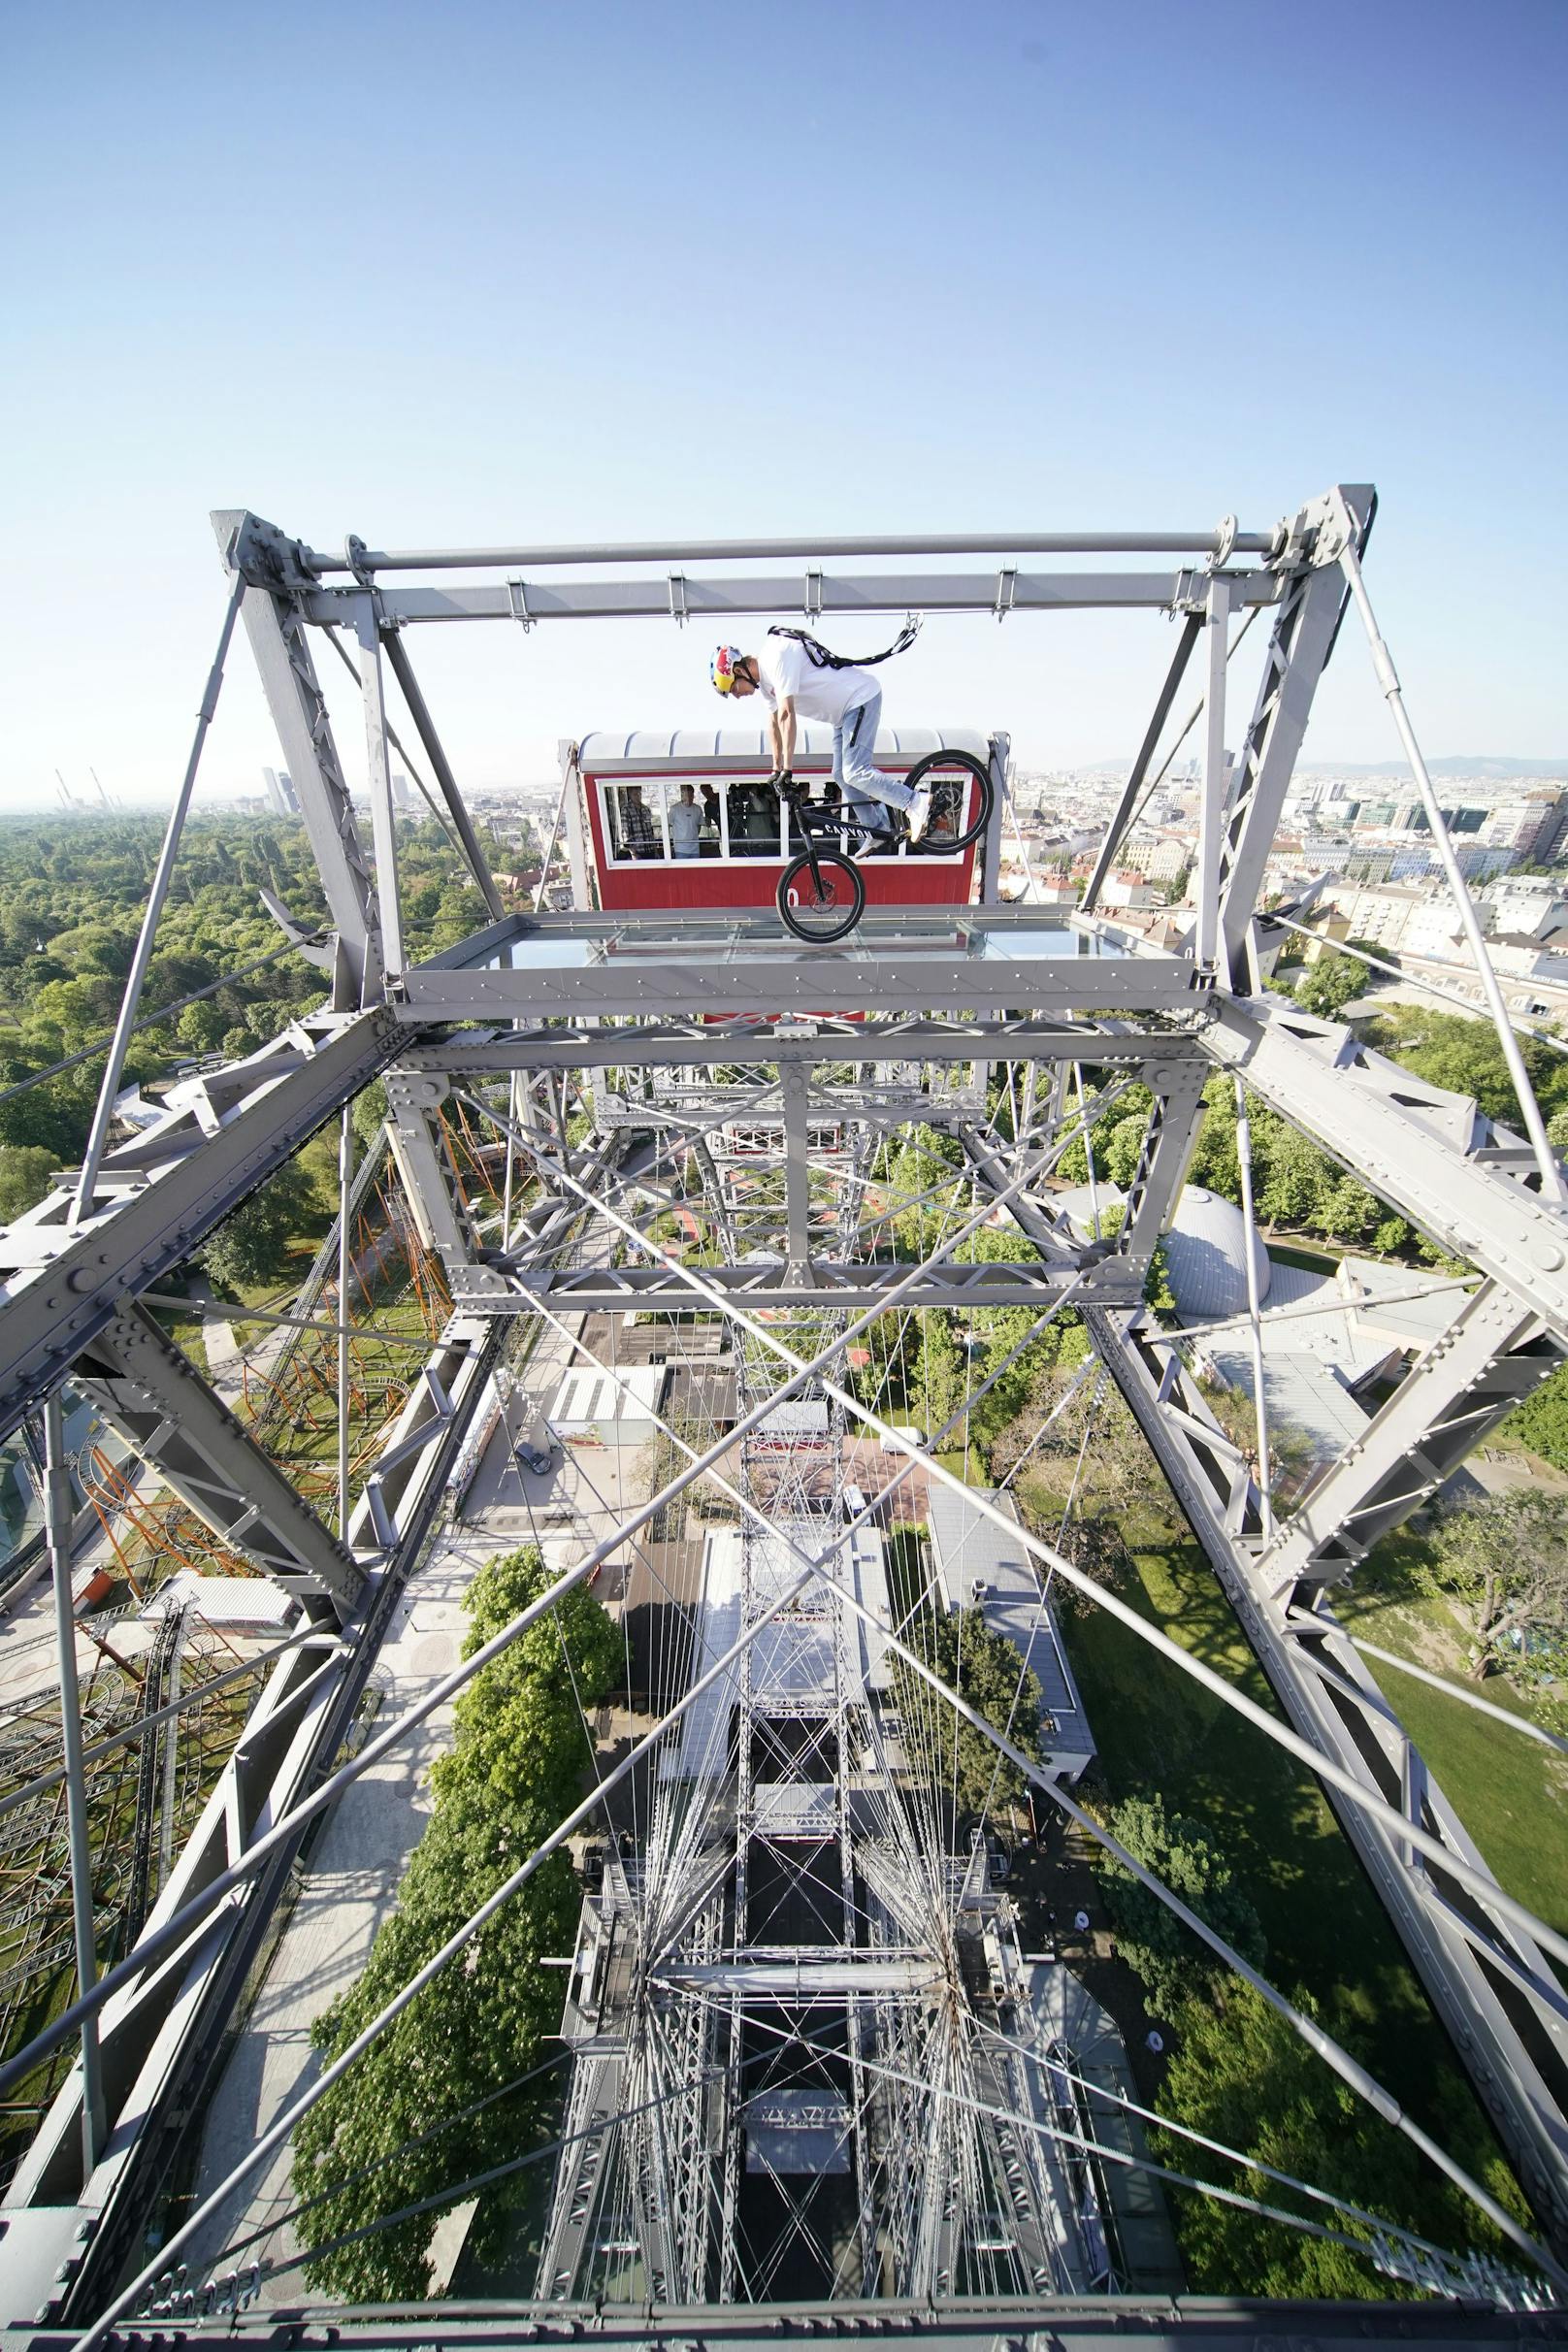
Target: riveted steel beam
{"x":1492,"y":1355}
{"x":153,"y":1394}
{"x":276,"y":625}
{"x":733,"y":598}
{"x":162,"y":1195}
{"x":1489,"y":1982}
{"x":814,"y":1283}
{"x":1421,"y":1147}
{"x":572,"y":1044}
{"x":655,"y":967}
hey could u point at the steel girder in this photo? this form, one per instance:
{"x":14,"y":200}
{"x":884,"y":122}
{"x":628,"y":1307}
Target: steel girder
{"x":573,"y":1044}
{"x":1493,"y":1354}
{"x":219,"y":1138}
{"x":814,"y":1284}
{"x":1303,"y":637}
{"x":1430,"y":1153}
{"x":152,"y":1392}
{"x":1168,"y":1147}
{"x":724,"y":600}
{"x":162,"y":2035}
{"x":884,"y":1106}
{"x":1490,"y":1985}
{"x":428,"y":1178}
{"x":544,"y":966}
{"x":1489,"y":1982}
{"x":1090,"y":2323}
{"x":277,"y":625}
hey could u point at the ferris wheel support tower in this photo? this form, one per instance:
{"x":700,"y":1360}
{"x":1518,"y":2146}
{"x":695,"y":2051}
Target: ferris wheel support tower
{"x":681,"y":1026}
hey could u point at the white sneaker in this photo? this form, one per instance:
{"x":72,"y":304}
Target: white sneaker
{"x":919,"y":812}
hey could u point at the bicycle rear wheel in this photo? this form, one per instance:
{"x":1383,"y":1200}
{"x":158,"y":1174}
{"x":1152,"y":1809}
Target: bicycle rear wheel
{"x":823,"y":905}
{"x":948,"y":830}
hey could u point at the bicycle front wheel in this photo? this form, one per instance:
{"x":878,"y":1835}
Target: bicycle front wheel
{"x":952,"y":825}
{"x":823,"y":905}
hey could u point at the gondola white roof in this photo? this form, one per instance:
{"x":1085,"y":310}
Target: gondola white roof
{"x":605,"y":752}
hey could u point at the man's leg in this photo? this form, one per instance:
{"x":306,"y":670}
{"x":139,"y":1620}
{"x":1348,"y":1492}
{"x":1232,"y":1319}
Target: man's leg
{"x":862,"y":778}
{"x":854,"y":811}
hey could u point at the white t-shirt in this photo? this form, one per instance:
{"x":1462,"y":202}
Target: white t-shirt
{"x":786,"y":671}
{"x":685,"y":826}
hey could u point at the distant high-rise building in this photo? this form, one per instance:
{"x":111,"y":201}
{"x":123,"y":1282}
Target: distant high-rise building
{"x":402,"y":795}
{"x":281,"y":799}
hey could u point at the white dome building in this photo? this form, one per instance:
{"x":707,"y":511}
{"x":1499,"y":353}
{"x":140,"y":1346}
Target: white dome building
{"x":1205,"y":1253}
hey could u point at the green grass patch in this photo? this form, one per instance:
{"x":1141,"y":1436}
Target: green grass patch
{"x":1326,"y":1931}
{"x":1311,"y":1261}
{"x":964,"y":1462}
{"x":1511,"y":1792}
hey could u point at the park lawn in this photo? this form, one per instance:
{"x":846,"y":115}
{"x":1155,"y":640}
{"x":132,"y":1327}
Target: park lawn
{"x":964,"y":1462}
{"x":1512,"y":1794}
{"x":1328,"y":1933}
{"x":1313,"y":1261}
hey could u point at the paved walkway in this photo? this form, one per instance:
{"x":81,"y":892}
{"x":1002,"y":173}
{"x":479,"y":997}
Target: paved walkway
{"x":352,"y":1881}
{"x":355,"y":1870}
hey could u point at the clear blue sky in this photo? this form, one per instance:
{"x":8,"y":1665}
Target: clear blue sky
{"x":474,"y":272}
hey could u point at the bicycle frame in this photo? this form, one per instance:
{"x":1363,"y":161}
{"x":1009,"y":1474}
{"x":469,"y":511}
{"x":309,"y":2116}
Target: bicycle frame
{"x":817,"y":827}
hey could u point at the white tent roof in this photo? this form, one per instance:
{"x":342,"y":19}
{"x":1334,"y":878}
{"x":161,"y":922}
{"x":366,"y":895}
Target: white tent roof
{"x":591,"y":1399}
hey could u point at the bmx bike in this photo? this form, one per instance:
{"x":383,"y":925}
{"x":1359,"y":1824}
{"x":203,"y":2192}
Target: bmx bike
{"x":822,"y":891}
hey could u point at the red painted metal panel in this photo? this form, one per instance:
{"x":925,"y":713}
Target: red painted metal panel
{"x":706,"y":884}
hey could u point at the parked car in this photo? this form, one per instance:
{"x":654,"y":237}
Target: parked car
{"x":536,"y":1447}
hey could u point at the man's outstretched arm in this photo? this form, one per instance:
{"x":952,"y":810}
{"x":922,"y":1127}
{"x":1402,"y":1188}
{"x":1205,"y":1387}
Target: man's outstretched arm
{"x":784,"y":733}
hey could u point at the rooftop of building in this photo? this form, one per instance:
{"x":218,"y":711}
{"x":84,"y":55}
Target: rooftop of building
{"x":968,"y":1548}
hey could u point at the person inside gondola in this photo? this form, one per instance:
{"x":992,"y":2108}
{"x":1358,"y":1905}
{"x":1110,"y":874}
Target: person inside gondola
{"x":685,"y":825}
{"x":753,"y":821}
{"x":634,"y":824}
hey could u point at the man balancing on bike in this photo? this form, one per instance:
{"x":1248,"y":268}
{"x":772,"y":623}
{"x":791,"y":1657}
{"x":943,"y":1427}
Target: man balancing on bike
{"x":799,"y":679}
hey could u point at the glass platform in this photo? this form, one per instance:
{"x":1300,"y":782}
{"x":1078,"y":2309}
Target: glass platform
{"x":896,"y":959}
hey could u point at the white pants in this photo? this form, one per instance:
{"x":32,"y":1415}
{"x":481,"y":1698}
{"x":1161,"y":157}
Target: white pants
{"x":859,"y":782}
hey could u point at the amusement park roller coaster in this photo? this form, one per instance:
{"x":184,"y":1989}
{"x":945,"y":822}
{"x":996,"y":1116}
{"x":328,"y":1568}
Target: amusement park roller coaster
{"x":811,"y":2064}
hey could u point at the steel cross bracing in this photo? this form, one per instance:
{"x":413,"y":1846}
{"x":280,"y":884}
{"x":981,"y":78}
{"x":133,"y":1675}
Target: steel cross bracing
{"x":159,"y":1196}
{"x":1496,"y":1991}
{"x":861,"y":1986}
{"x":162,"y":2030}
{"x":150,"y":1390}
{"x":979,"y":2323}
{"x":1498,"y":1995}
{"x":162,"y":2033}
{"x":670,"y":1013}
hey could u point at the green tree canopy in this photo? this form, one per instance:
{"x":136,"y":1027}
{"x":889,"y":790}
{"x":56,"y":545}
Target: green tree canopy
{"x":1328,"y":986}
{"x":1242,"y":2074}
{"x":1452,"y":1050}
{"x":1505,"y":1560}
{"x":986,"y":1669}
{"x":25,"y":1171}
{"x":252,"y":1244}
{"x":1183,"y":1855}
{"x":519,"y":1751}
